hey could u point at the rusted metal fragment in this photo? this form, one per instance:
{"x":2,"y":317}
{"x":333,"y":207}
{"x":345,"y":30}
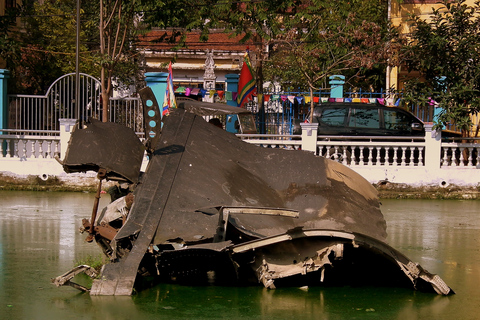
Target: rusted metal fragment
{"x":329,"y":257}
{"x":146,"y":214}
{"x":218,"y":169}
{"x":65,"y":279}
{"x":212,"y":207}
{"x":107,"y":145}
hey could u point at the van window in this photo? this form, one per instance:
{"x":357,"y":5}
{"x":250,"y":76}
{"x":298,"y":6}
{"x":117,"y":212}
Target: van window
{"x":364,"y":118}
{"x":334,"y":117}
{"x":395,"y":120}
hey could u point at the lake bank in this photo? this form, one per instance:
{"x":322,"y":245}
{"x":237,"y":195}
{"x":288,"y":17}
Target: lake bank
{"x":87,"y":182}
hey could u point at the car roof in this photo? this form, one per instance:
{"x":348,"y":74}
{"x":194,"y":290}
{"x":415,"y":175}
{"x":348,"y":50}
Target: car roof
{"x":363,"y":105}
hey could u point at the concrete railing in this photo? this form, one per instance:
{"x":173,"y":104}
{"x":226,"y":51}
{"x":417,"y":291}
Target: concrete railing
{"x":461,"y":154}
{"x":412,"y":160}
{"x":31,"y":152}
{"x":416,"y":161}
{"x":25,"y":146}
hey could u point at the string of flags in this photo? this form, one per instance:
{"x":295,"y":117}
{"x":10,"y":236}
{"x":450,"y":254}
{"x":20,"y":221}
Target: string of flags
{"x":232,"y":96}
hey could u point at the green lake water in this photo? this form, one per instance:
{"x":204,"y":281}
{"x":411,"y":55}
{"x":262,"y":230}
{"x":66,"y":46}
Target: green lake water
{"x":39,"y":240}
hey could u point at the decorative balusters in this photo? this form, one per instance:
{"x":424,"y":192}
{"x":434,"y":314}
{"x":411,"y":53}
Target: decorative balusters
{"x":404,"y":156}
{"x":378,"y":158}
{"x":444,"y":161}
{"x":15,"y":149}
{"x":411,"y":159}
{"x":56,"y":148}
{"x":33,"y":145}
{"x":478,"y":157}
{"x":420,"y":156}
{"x":370,"y":156}
{"x":461,"y":158}
{"x":9,"y":148}
{"x":345,"y":157}
{"x":470,"y":156}
{"x":48,"y":153}
{"x":395,"y":156}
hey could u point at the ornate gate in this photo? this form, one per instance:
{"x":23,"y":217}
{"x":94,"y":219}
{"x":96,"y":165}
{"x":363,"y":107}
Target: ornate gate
{"x":39,"y":113}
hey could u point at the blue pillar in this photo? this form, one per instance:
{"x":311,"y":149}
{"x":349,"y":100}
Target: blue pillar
{"x":232,"y":86}
{"x":437,"y":110}
{"x":336,"y":86}
{"x":157,"y":81}
{"x":4,"y":75}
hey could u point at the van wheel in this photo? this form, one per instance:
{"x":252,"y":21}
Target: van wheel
{"x":338,"y":155}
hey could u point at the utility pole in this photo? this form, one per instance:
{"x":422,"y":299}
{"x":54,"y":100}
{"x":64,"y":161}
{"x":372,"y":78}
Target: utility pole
{"x":77,"y":71}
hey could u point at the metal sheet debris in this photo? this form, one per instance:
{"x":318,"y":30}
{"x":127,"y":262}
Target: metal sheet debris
{"x":212,"y":209}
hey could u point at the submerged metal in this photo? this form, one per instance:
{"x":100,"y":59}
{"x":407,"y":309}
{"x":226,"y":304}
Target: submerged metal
{"x":211,"y":208}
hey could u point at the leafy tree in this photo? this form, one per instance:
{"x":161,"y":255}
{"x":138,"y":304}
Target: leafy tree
{"x":309,"y":40}
{"x":118,"y":28}
{"x":444,"y":52}
{"x":8,"y":45}
{"x":48,"y":45}
{"x":46,"y":48}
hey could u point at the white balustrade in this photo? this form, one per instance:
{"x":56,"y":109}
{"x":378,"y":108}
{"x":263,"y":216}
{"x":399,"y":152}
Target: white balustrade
{"x":464,"y":155}
{"x":25,"y":147}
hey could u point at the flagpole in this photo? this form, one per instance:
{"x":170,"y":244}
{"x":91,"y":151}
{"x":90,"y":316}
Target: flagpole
{"x":261,"y":104}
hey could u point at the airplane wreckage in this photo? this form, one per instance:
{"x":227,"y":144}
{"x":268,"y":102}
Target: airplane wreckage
{"x":213,"y":209}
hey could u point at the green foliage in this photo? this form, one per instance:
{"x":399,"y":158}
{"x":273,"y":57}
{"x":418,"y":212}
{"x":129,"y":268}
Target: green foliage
{"x":307,"y":39}
{"x":324,"y":38}
{"x":9,"y":45}
{"x":445,"y":53}
{"x":95,"y":262}
{"x":46,"y":48}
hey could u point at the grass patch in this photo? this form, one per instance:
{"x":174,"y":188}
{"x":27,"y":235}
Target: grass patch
{"x":95,"y":262}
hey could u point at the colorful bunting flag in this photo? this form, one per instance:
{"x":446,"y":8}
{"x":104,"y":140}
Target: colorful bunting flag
{"x":246,"y":83}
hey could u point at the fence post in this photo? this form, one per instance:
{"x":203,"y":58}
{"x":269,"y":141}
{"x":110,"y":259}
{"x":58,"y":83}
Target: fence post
{"x":66,"y":127}
{"x":433,"y":146}
{"x":232,"y":86}
{"x":309,"y":136}
{"x":336,"y":86}
{"x":4,"y":75}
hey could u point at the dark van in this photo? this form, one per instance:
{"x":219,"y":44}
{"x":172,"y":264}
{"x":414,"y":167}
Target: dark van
{"x":362,"y":119}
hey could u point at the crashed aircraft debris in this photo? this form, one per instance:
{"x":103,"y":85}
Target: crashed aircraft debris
{"x":212,"y":209}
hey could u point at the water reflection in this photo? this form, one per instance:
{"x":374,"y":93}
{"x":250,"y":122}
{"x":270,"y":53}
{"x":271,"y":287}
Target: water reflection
{"x":39,"y":240}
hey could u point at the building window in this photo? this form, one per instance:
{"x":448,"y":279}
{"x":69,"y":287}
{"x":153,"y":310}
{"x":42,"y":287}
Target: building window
{"x":9,"y":4}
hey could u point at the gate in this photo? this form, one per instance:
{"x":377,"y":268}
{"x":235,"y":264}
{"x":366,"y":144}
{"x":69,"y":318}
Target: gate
{"x":40,"y":113}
